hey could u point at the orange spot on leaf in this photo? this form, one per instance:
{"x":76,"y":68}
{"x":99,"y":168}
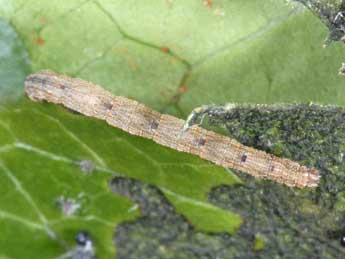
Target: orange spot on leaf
{"x":208,"y":3}
{"x":165,"y":49}
{"x":182,"y":89}
{"x":40,"y":41}
{"x":36,"y":38}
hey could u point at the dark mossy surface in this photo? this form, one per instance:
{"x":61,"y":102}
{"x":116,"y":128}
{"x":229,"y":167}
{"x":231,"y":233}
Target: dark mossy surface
{"x":162,"y":233}
{"x":292,"y":223}
{"x":332,"y":14}
{"x":297,"y":223}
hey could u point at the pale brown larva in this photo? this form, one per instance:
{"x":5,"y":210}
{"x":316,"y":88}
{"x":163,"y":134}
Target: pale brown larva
{"x":138,"y":119}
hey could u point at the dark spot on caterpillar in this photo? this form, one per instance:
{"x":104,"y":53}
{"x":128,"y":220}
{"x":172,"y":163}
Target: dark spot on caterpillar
{"x":108,"y":106}
{"x":271,"y":168}
{"x":62,"y":86}
{"x":33,"y":79}
{"x":201,"y":141}
{"x":243,"y":158}
{"x":153,"y":125}
{"x":44,"y":82}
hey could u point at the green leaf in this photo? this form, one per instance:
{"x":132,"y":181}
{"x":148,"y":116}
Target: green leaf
{"x":50,"y":143}
{"x":171,"y":55}
{"x":164,"y":51}
{"x":14,"y":63}
{"x":205,"y":217}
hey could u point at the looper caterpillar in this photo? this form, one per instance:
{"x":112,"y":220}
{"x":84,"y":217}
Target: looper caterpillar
{"x":138,"y":119}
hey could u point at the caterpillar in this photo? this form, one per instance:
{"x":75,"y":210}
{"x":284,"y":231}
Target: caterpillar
{"x":138,"y":119}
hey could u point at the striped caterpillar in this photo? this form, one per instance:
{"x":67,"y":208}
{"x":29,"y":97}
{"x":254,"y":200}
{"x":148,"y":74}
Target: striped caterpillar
{"x":138,"y":119}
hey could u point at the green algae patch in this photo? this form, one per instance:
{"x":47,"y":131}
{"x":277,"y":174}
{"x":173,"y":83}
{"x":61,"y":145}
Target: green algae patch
{"x":259,"y":243}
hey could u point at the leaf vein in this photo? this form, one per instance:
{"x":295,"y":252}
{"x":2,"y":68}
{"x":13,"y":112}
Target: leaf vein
{"x":75,"y":138}
{"x":137,"y":40}
{"x":28,"y":223}
{"x":28,"y":198}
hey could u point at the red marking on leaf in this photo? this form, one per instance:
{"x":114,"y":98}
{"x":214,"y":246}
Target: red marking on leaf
{"x":208,"y":3}
{"x":36,"y":38}
{"x":40,"y":41}
{"x":182,"y":89}
{"x":165,"y":49}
